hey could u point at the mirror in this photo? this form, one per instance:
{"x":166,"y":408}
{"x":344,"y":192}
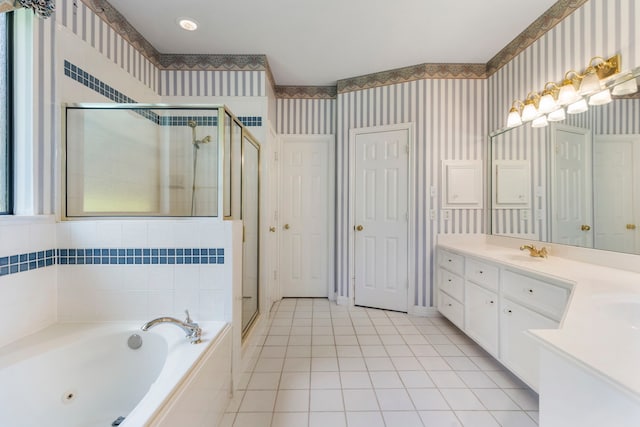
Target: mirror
{"x":575,"y":182}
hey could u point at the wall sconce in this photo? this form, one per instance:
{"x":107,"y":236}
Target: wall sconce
{"x":572,"y":92}
{"x":514,"y":119}
{"x":530,"y":110}
{"x":628,"y":87}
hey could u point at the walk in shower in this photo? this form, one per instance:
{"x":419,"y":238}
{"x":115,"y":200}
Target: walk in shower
{"x":147,"y":160}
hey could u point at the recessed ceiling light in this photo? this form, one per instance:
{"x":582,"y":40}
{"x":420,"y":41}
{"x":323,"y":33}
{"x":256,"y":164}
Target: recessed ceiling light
{"x":187,"y":24}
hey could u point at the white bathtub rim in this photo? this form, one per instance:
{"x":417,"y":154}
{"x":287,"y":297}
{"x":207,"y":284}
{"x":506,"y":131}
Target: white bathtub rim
{"x":182,"y":356}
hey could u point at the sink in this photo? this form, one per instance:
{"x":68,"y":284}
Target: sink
{"x":523,"y":257}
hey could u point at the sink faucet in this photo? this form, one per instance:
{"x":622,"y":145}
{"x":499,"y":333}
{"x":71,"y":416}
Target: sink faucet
{"x":191,"y":328}
{"x":534,"y":252}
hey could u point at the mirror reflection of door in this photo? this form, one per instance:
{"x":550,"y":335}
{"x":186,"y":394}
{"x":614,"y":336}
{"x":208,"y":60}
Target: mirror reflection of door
{"x":571,"y":217}
{"x":616,"y":169}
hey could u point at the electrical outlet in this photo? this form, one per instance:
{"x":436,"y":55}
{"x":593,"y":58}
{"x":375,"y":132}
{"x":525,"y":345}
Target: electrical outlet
{"x":446,"y":214}
{"x":524,"y":214}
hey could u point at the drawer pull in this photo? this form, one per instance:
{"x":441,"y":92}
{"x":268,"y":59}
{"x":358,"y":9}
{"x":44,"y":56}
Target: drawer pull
{"x":491,"y":302}
{"x":530,"y":291}
{"x":481,"y":272}
{"x":508,"y":310}
{"x":449,"y":304}
{"x":449,"y":260}
{"x":449,"y":280}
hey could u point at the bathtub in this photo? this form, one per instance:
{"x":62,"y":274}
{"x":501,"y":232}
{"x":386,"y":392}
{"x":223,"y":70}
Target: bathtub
{"x":85,"y":375}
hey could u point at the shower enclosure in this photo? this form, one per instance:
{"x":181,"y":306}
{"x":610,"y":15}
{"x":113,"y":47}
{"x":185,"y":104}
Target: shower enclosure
{"x":148,"y":160}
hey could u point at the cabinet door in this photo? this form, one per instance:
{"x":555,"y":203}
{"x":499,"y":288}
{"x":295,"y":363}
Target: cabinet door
{"x":481,"y":316}
{"x":518,"y":351}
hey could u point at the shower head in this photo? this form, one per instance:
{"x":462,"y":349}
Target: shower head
{"x":206,"y":139}
{"x":192,"y":124}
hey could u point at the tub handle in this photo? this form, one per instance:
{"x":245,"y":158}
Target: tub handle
{"x":188,"y":319}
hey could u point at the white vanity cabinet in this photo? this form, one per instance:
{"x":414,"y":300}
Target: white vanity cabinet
{"x":495,"y":304}
{"x":451,"y":286}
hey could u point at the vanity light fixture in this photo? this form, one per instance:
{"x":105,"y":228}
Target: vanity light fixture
{"x":577,"y":107}
{"x":628,"y":87}
{"x":530,"y":110}
{"x":540,"y":122}
{"x":572,"y":93}
{"x":557,"y":116}
{"x":549,"y":98}
{"x":600,"y":98}
{"x":568,"y":93}
{"x":514,"y":119}
{"x":187,"y":24}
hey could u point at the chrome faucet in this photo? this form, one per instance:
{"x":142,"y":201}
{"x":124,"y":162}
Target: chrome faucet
{"x":534,"y":252}
{"x":191,"y":328}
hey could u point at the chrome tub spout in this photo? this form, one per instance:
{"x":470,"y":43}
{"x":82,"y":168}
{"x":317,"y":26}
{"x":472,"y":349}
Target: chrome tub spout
{"x":192,"y":329}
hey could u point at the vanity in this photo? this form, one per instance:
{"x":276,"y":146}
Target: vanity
{"x":567,"y":325}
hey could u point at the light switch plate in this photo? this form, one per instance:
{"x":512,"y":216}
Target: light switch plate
{"x":446,"y":214}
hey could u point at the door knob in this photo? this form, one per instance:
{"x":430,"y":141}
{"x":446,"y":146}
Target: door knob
{"x":272,"y":229}
{"x":585,"y":227}
{"x":631,"y":226}
{"x":286,"y":226}
{"x":359,"y":228}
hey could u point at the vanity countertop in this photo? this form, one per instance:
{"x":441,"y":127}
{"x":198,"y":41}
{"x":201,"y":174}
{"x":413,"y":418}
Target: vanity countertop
{"x":600,"y":330}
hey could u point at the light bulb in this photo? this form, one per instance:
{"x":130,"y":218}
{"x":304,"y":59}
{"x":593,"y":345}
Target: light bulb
{"x":540,"y":122}
{"x":578,"y":107}
{"x":188,"y":24}
{"x":600,"y":98}
{"x":556,"y":116}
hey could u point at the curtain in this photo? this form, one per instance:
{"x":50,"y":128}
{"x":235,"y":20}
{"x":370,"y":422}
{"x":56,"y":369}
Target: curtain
{"x":43,"y":8}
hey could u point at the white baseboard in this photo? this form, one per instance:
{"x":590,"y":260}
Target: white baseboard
{"x":417,"y":310}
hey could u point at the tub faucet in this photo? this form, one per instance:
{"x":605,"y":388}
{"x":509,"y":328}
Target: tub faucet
{"x":191,"y":328}
{"x":534,"y":252}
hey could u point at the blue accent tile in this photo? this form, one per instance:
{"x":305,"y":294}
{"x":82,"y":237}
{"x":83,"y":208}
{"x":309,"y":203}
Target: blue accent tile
{"x":204,"y":251}
{"x":80,"y":260}
{"x":187,"y":251}
{"x":49,"y":253}
{"x":40,"y":263}
{"x":163,"y":252}
{"x":88,"y":260}
{"x":63,"y":260}
{"x":72,"y":261}
{"x":138,"y":252}
{"x":220,"y":260}
{"x":204,"y":260}
{"x":4,"y":261}
{"x":121,"y":260}
{"x":13,"y":268}
{"x":4,"y":271}
{"x":105,"y":260}
{"x":171,"y":252}
{"x":41,"y":255}
{"x":130,"y":260}
{"x":80,"y":252}
{"x":121,"y":252}
{"x":138,"y":260}
{"x":195,"y":260}
{"x":49,"y":262}
{"x":146,"y":260}
{"x":212,"y":260}
{"x":154,"y":260}
{"x":163,"y":260}
{"x":146,"y":252}
{"x":180,"y":252}
{"x":187,"y":260}
{"x":195,"y":251}
{"x":24,"y":266}
{"x":129,"y":252}
{"x":221,"y":251}
{"x":154,"y":252}
{"x":72,"y":252}
{"x":112,"y":252}
{"x":179,"y":260}
{"x":171,"y":260}
{"x":13,"y":259}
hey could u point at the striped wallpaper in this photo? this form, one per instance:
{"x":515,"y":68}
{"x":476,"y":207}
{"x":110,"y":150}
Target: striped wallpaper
{"x":450,"y":123}
{"x":306,"y":116}
{"x":89,"y":27}
{"x":212,"y":83}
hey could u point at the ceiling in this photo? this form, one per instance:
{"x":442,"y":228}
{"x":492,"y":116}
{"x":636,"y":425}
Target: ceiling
{"x":317,"y":42}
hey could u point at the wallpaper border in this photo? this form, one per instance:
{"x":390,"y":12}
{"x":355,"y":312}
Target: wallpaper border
{"x":549,"y":19}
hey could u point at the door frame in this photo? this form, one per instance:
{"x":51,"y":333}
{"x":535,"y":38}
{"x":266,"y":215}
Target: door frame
{"x":552,"y":217}
{"x":331,"y":185}
{"x":353,"y":133}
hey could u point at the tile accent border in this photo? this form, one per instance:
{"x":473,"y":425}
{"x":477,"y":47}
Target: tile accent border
{"x":20,"y":263}
{"x":554,"y":15}
{"x":28,"y":261}
{"x":306,"y":92}
{"x":79,"y":75}
{"x":140,"y":256}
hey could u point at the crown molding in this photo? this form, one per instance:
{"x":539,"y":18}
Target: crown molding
{"x":552,"y":17}
{"x":411,"y":73}
{"x":306,"y":92}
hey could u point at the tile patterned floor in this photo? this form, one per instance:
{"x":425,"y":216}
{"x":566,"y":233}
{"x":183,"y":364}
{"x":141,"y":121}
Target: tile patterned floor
{"x":326,"y":365}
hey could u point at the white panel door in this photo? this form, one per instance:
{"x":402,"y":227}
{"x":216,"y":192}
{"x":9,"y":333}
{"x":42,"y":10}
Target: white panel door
{"x":572,"y":202}
{"x":305,"y":228}
{"x":614,"y":194}
{"x":381,"y":226}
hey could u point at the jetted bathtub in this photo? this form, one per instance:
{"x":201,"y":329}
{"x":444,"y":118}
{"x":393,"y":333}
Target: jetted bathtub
{"x":86,"y":375}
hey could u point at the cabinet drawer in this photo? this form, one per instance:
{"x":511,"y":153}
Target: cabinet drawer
{"x":451,"y":284}
{"x":548,"y":298}
{"x":483,"y":274}
{"x":451,"y":309}
{"x":451,"y":261}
